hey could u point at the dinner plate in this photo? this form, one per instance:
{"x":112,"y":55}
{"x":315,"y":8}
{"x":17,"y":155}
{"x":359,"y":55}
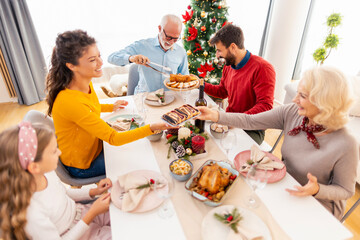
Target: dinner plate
{"x":112,"y":118}
{"x":169,"y":98}
{"x":182,"y":89}
{"x":213,"y":229}
{"x":149,"y":202}
{"x":274,"y":175}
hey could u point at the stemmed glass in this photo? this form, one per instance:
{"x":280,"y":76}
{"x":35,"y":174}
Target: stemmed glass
{"x":256,"y":179}
{"x":165,"y":192}
{"x":228,"y":141}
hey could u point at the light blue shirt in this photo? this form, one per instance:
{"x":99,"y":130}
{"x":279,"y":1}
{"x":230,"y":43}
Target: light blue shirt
{"x":150,"y":80}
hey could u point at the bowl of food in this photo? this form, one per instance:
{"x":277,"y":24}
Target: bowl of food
{"x":211,"y":182}
{"x":181,"y":169}
{"x":218,"y":131}
{"x":156,"y":136}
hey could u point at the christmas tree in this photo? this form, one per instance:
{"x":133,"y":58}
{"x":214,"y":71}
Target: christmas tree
{"x":202,"y":20}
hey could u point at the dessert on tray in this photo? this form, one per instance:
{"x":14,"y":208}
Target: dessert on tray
{"x":180,"y":114}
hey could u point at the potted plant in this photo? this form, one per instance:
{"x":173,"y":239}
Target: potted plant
{"x":331,"y":40}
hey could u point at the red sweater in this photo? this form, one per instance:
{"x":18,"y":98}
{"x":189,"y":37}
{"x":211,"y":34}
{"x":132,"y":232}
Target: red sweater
{"x":249,"y":89}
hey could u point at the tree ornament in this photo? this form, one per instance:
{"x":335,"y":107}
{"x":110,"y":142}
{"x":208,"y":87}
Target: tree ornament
{"x":189,"y":7}
{"x":196,"y":22}
{"x":219,"y":7}
{"x":180,"y":151}
{"x":203,"y":14}
{"x":213,"y":20}
{"x":205,"y":53}
{"x":188,"y":52}
{"x":216,"y":61}
{"x":188,"y":151}
{"x":203,"y":28}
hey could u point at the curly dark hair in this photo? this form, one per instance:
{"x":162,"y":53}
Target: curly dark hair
{"x":229,"y":34}
{"x":70,"y":46}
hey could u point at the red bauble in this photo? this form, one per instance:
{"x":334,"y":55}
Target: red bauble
{"x":189,"y":7}
{"x":219,"y":7}
{"x":214,"y":20}
{"x":203,"y":28}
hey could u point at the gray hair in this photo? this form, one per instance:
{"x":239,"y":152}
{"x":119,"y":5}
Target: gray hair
{"x":170,"y":17}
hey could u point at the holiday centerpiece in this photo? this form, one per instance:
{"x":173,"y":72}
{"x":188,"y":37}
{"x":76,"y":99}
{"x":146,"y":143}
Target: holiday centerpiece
{"x":186,"y":141}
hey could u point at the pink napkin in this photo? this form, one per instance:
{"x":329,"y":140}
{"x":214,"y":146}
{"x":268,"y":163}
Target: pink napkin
{"x":132,"y":197}
{"x":261,"y":160}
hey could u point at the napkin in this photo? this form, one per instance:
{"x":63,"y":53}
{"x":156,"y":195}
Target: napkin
{"x":155,"y":96}
{"x":244,"y":234}
{"x":121,"y":124}
{"x":132,"y":196}
{"x":261,"y":160}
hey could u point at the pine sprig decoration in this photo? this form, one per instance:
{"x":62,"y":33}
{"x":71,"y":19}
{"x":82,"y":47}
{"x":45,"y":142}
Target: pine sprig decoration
{"x":146,"y":185}
{"x":231,"y":219}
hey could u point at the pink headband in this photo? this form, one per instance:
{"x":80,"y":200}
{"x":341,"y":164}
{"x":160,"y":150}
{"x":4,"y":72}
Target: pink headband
{"x":27,"y":144}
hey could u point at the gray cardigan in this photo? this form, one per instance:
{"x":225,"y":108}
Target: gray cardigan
{"x":334,"y":164}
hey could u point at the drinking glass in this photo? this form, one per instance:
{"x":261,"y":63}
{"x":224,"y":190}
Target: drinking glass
{"x":256,"y":179}
{"x":165,"y":211}
{"x":228,"y":141}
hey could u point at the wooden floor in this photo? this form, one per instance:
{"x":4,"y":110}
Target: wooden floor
{"x":12,"y":113}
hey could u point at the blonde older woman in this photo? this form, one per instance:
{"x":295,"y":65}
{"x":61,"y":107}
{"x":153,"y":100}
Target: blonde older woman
{"x":317,"y":150}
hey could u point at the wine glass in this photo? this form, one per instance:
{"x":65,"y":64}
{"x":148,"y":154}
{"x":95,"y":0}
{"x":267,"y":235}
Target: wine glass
{"x":256,"y":179}
{"x":228,"y":141}
{"x":165,"y":192}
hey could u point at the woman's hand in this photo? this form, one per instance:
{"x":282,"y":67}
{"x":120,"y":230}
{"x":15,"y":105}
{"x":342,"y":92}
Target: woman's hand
{"x":139,"y":59}
{"x":159,"y":126}
{"x":102,"y":186}
{"x":208,"y":114}
{"x":311,"y":188}
{"x":101,"y":205}
{"x":119,"y":104}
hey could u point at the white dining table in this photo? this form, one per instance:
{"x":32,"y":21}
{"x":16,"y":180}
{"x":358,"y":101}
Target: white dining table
{"x":286,"y":216}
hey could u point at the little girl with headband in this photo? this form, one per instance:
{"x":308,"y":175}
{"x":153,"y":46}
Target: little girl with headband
{"x":34,"y":204}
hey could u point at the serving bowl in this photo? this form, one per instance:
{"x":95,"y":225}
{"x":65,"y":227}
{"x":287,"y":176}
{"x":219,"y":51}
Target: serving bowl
{"x":218,"y":131}
{"x":155,"y":137}
{"x":203,"y":198}
{"x":179,"y":171}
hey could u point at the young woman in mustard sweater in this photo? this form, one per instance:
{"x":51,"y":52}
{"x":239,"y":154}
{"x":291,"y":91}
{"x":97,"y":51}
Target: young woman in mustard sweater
{"x":75,"y":107}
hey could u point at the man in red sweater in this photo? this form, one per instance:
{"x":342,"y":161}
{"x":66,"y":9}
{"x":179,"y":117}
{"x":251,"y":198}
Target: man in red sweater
{"x":248,"y":81}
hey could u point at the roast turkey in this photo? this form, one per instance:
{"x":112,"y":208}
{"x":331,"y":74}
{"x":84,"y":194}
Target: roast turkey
{"x":214,"y":178}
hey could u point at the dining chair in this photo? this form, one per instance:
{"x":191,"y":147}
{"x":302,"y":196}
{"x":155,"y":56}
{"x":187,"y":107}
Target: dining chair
{"x":34,"y":116}
{"x":133,"y":79}
{"x":353,"y":207}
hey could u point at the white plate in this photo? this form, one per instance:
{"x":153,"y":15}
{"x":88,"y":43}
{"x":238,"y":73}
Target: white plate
{"x":169,"y":98}
{"x":213,"y":229}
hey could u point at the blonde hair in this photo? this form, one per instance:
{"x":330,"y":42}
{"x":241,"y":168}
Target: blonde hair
{"x":329,"y":91}
{"x":16,"y":183}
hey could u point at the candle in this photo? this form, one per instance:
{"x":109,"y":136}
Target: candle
{"x":198,"y":144}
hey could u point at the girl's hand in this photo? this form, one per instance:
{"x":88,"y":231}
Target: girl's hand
{"x":159,"y":126}
{"x":103,"y":185}
{"x":101,"y":205}
{"x":311,"y":188}
{"x":120,"y":104}
{"x":208,"y":114}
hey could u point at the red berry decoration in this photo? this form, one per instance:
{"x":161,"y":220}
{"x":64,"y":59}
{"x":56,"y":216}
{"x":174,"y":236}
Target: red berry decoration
{"x":152,"y":181}
{"x":169,"y":136}
{"x":230,"y":218}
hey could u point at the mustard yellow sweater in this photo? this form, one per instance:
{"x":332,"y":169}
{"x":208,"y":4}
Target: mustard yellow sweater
{"x":79,"y":128}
